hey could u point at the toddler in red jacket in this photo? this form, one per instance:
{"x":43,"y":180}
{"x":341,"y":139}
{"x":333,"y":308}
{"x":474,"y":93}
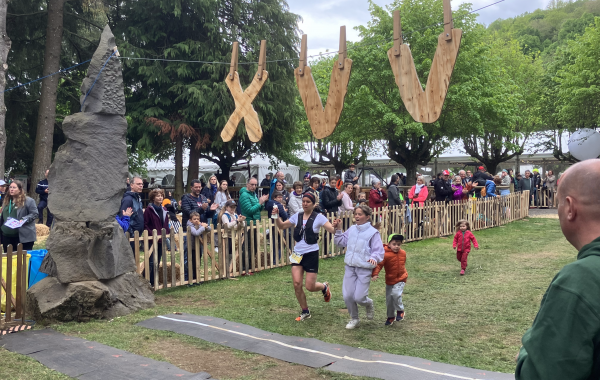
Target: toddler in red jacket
{"x":462,"y":243}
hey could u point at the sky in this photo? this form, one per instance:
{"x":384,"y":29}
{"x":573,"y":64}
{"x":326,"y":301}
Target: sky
{"x":322,"y":18}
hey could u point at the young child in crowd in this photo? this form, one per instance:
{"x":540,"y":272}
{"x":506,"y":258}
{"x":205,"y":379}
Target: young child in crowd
{"x":364,"y":252}
{"x":124,"y":220}
{"x":196,"y":228}
{"x":394,"y":263}
{"x":362,"y":199}
{"x":462,"y":243}
{"x":229,"y":221}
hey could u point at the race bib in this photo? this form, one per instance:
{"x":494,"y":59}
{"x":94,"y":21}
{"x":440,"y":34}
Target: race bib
{"x":295,"y":258}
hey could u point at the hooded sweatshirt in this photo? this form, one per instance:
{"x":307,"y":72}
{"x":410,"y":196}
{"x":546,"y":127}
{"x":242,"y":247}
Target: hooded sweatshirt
{"x":395,"y":266}
{"x":564,"y":340}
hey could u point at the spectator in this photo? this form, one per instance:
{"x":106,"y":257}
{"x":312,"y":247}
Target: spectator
{"x":229,"y":221}
{"x":280,"y":186}
{"x":128,"y":188}
{"x":221,"y":198}
{"x":123,"y":220}
{"x":313,"y":189}
{"x":210,"y":191}
{"x":518,"y":179}
{"x":295,"y":202}
{"x":434,"y":180}
{"x":506,"y":180}
{"x":469,"y":176}
{"x":376,"y":195}
{"x":490,"y":187}
{"x":550,"y":186}
{"x":282,"y":214}
{"x":171,"y":200}
{"x":564,"y":339}
{"x":266,"y":182}
{"x":279,"y":176}
{"x":402,"y":179}
{"x":346,"y":201}
{"x":393,"y":193}
{"x":306,"y":184}
{"x":418,"y":193}
{"x":332,"y":199}
{"x":457,"y":187}
{"x":362,"y":199}
{"x":156,"y":218}
{"x":18,"y":206}
{"x":351,"y":177}
{"x":536,"y":186}
{"x":197,"y":202}
{"x":526,"y":184}
{"x":231,"y":182}
{"x":196,"y":228}
{"x":481,"y":176}
{"x":42,"y":190}
{"x":338,"y":182}
{"x":133,"y":200}
{"x":251,"y":206}
{"x":513,"y":183}
{"x":443,"y":188}
{"x":2,"y":190}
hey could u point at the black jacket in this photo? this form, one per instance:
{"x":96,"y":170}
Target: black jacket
{"x":443,"y":190}
{"x":208,"y":194}
{"x":265,"y":183}
{"x":393,"y":196}
{"x":41,"y":190}
{"x":537,"y":180}
{"x":190,"y":204}
{"x":330,"y":201}
{"x":136,"y":220}
{"x":480,"y":177}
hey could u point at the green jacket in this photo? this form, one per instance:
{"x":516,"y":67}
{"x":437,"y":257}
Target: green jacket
{"x":564,"y":340}
{"x":249,"y":205}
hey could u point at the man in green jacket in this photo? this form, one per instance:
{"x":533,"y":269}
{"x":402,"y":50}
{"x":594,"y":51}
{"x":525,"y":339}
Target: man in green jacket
{"x":251,"y":206}
{"x":564,"y":340}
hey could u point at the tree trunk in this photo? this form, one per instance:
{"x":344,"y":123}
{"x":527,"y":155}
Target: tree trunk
{"x":4,"y":48}
{"x":47,"y":111}
{"x":411,"y":174}
{"x":491,"y":167}
{"x":225,"y":167}
{"x":194,"y":165}
{"x":178,"y":167}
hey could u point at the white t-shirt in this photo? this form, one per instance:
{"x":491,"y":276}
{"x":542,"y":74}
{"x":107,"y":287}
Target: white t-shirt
{"x":302,"y":247}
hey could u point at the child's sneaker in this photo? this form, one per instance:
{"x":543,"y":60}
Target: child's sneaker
{"x":400,"y":315}
{"x":462,"y":272}
{"x":352,"y":324}
{"x":326,"y":292}
{"x":304,"y":315}
{"x":370,"y":311}
{"x":389,"y":321}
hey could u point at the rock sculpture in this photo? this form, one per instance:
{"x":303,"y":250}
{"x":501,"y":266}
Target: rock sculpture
{"x":90,"y":262}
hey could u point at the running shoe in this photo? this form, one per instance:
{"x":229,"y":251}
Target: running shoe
{"x":389,"y":321}
{"x":400,"y":316}
{"x":370,"y":311}
{"x":303,"y":316}
{"x":352,"y":324}
{"x":326,"y":292}
{"x":462,"y":272}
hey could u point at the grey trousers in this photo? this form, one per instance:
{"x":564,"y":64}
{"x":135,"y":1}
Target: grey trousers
{"x":355,"y":289}
{"x":393,"y":298}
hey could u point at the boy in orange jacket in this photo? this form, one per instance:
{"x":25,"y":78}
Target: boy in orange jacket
{"x":394,"y":262}
{"x":462,"y":243}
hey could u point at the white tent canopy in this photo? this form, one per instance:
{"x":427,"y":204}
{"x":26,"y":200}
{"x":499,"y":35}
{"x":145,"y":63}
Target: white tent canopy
{"x":163,"y":172}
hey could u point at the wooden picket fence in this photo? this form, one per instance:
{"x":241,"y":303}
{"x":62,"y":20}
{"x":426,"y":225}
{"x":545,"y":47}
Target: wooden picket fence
{"x":253,"y":250}
{"x":15,"y":301}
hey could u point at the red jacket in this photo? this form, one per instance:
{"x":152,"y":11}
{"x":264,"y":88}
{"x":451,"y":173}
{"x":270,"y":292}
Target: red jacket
{"x":463,"y":241}
{"x":395,"y":266}
{"x":376,"y":200}
{"x":421,"y":197}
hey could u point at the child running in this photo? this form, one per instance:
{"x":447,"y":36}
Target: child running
{"x":394,"y":263}
{"x":462,"y":243}
{"x":364,"y":252}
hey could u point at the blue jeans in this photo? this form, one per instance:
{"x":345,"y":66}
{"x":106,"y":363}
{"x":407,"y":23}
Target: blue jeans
{"x":41,"y":206}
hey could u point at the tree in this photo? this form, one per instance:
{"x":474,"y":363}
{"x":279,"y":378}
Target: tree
{"x":47,"y":112}
{"x":203,"y":30}
{"x":4,"y":48}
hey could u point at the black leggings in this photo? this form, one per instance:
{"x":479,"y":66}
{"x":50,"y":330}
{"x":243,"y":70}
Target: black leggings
{"x":14,"y":241}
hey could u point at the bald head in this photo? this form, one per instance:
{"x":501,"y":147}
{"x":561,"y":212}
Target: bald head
{"x":579,"y":202}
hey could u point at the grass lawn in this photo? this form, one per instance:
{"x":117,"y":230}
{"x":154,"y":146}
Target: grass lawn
{"x":475,"y":321}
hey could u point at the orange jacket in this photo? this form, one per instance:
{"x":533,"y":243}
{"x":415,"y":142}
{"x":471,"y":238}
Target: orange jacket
{"x":395,"y":266}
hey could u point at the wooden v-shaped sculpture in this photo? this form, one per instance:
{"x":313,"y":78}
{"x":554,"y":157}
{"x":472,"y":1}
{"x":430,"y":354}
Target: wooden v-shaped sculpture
{"x":323,"y":121}
{"x":243,"y":99}
{"x":425,"y":106}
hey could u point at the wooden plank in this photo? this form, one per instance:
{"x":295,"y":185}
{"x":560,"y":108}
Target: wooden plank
{"x":18,"y":292}
{"x":10,"y":299}
{"x":397,"y":32}
{"x":181,"y":256}
{"x":155,"y":257}
{"x":147,"y":254}
{"x":233,"y":67}
{"x":264,"y":240}
{"x":262,"y":58}
{"x":173,"y":261}
{"x":342,"y":50}
{"x":448,"y":24}
{"x":303,"y":52}
{"x":163,"y":246}
{"x":204,"y":259}
{"x":24,"y":276}
{"x":136,"y":242}
{"x":272,"y":251}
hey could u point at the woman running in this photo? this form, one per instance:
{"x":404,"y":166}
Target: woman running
{"x":305,"y":257}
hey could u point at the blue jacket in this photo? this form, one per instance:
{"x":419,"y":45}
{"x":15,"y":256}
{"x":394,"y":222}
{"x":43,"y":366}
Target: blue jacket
{"x":282,"y":214}
{"x":41,"y":189}
{"x":123,"y":222}
{"x":490,"y":189}
{"x":136,"y":221}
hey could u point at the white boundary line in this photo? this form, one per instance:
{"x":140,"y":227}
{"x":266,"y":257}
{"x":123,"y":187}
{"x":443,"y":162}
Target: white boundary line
{"x":320,"y":352}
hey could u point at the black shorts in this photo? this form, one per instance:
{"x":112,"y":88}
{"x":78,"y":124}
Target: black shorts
{"x":310,"y":262}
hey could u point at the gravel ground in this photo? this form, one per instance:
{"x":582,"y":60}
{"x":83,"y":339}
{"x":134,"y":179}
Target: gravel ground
{"x":550,"y":213}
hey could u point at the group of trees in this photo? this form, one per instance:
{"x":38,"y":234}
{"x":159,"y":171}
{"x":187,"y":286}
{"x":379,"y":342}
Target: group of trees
{"x":525,"y":80}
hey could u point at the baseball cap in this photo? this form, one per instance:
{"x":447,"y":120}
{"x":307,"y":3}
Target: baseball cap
{"x":2,"y":183}
{"x":395,"y":237}
{"x":481,"y":168}
{"x":446,"y":172}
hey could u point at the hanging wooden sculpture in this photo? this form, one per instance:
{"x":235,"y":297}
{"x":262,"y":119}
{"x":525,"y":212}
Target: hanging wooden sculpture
{"x":425,"y":106}
{"x":323,"y":121}
{"x":243,"y":99}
